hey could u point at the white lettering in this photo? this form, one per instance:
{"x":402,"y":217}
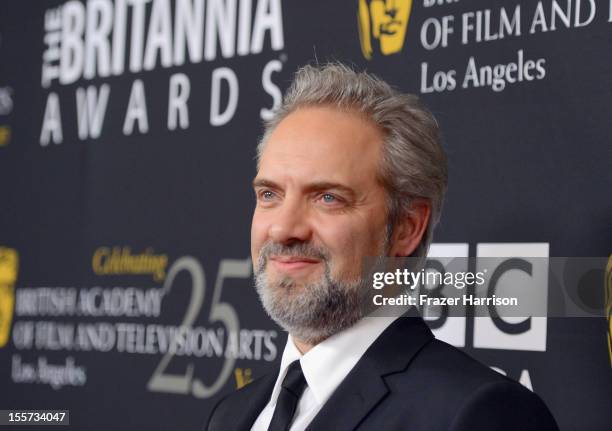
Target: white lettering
{"x":137,"y":110}
{"x":159,"y":38}
{"x":91,"y":110}
{"x":268,"y":16}
{"x":52,"y":122}
{"x":180,"y":87}
{"x":71,"y":53}
{"x":97,"y":48}
{"x":219,"y":75}
{"x":271,"y":88}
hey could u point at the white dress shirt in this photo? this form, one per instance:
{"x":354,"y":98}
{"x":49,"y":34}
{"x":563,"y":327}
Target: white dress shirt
{"x":324,"y":366}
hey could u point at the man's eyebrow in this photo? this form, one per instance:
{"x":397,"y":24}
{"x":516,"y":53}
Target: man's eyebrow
{"x":326,"y":185}
{"x":262,"y":182}
{"x":315,"y":186}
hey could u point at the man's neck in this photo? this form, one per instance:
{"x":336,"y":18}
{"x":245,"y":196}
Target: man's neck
{"x":302,"y":346}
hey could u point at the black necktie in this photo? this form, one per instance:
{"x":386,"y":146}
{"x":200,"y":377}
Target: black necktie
{"x":291,"y":390}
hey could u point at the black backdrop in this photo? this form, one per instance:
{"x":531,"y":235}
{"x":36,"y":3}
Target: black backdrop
{"x":529,"y":171}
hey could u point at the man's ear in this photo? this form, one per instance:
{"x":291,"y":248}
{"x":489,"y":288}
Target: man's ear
{"x":410,"y":228}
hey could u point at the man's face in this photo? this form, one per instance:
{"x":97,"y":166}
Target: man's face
{"x":320,"y":210}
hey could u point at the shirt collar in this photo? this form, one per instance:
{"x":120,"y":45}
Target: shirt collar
{"x":327,"y":364}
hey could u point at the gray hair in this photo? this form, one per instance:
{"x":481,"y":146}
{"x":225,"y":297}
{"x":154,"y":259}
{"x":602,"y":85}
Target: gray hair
{"x":413,"y":162}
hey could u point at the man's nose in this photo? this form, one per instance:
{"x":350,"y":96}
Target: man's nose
{"x":290,"y":223}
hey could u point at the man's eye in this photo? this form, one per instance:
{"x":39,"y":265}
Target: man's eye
{"x":266,"y":195}
{"x":329,"y":198}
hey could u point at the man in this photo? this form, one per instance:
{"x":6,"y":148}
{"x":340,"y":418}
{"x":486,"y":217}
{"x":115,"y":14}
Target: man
{"x":350,"y":168}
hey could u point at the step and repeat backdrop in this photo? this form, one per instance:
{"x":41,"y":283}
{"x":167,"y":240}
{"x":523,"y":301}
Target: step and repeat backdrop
{"x":127,"y":140}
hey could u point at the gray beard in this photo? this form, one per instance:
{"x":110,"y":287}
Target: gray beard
{"x":310,"y":312}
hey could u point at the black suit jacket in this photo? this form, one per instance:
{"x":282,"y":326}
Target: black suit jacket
{"x":406,"y":380}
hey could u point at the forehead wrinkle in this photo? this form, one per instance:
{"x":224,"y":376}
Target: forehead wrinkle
{"x":324,"y":144}
{"x":324,"y":165}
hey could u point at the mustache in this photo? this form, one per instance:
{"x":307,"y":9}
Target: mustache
{"x":299,"y":249}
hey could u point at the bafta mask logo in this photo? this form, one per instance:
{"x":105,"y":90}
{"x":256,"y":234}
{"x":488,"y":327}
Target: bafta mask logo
{"x":382,"y":25}
{"x":609,"y":305}
{"x":8,"y":275}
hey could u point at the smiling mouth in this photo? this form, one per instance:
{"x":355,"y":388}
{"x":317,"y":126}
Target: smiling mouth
{"x":293,"y":263}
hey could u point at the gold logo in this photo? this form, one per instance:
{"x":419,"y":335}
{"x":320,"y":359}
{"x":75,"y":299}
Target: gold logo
{"x":5,"y":135}
{"x":609,"y":305}
{"x":384,"y":21}
{"x":243,"y":377}
{"x":9,"y":262}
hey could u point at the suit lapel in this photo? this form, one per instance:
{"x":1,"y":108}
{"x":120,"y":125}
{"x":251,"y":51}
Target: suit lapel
{"x":256,"y":396}
{"x":364,"y":387}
